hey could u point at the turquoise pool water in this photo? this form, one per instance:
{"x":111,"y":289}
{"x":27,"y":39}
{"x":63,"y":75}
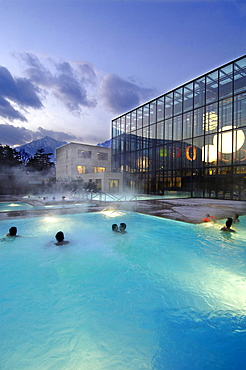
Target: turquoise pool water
{"x":14,"y":206}
{"x":165,"y":295}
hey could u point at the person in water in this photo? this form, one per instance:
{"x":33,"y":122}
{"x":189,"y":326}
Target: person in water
{"x":236,"y":218}
{"x":60,"y":238}
{"x":208,"y":218}
{"x":12,"y":231}
{"x":122,"y":228}
{"x":227,"y":226}
{"x":115,"y":227}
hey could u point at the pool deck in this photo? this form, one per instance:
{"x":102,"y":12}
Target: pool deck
{"x":194,"y":210}
{"x":191,"y":210}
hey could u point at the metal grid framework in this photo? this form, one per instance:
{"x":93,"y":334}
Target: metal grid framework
{"x":190,"y":139}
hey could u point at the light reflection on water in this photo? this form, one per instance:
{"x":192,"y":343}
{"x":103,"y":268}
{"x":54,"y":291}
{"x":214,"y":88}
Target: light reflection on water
{"x":165,"y":295}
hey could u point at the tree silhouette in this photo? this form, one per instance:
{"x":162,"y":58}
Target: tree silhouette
{"x":9,"y":157}
{"x":40,"y":162}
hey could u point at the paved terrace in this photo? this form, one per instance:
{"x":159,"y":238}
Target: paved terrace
{"x":190,"y":210}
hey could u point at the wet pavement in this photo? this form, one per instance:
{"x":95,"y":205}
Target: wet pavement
{"x":192,"y":210}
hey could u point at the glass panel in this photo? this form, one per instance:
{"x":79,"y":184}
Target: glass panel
{"x":210,"y":118}
{"x":146,"y":115}
{"x":187,"y":125}
{"x":134,"y":141}
{"x":169,"y":105}
{"x":239,"y":146}
{"x":188,"y":97}
{"x":145,"y":135}
{"x":168,"y":135}
{"x":153,"y":112}
{"x":139,"y":139}
{"x":212,"y":87}
{"x":114,"y":128}
{"x":152,"y":133}
{"x":81,"y":169}
{"x":99,"y":169}
{"x":225,"y":113}
{"x":198,"y":122}
{"x":199,"y":92}
{"x":84,"y":154}
{"x":196,"y":153}
{"x":224,"y":141}
{"x":176,"y":155}
{"x":178,"y":101}
{"x":160,"y":130}
{"x":226,"y":81}
{"x":240,"y":75}
{"x":102,"y":156}
{"x":128,"y":122}
{"x":240,"y":110}
{"x":177,"y":128}
{"x":209,"y":150}
{"x":139,"y":117}
{"x":187,"y":151}
{"x":160,"y":109}
{"x":134,"y":121}
{"x":122,"y":124}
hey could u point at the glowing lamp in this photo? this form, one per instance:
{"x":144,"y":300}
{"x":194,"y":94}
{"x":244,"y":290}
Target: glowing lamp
{"x":209,"y":153}
{"x":228,"y":142}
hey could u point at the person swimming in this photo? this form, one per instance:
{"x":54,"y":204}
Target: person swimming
{"x":115,"y":227}
{"x":60,"y":238}
{"x":236,"y":218}
{"x":209,"y":218}
{"x":12,"y":231}
{"x":122,"y":228}
{"x":227,"y":226}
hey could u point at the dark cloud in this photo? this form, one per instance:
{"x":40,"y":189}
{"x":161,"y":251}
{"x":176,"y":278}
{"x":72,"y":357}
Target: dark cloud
{"x":20,"y":91}
{"x":16,"y":136}
{"x":37,"y":72}
{"x":121,"y":95}
{"x":8,"y":112}
{"x":67,"y":83}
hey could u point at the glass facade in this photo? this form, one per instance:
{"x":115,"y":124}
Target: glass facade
{"x":190,"y":139}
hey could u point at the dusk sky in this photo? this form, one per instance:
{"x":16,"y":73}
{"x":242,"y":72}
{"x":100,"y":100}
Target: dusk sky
{"x":68,"y":67}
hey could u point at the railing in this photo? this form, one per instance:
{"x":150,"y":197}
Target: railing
{"x":119,"y":203}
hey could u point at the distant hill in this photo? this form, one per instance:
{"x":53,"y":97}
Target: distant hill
{"x":106,"y":144}
{"x":47,"y":143}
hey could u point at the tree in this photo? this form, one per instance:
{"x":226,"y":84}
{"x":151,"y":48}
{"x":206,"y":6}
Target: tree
{"x":40,"y":162}
{"x":9,"y":157}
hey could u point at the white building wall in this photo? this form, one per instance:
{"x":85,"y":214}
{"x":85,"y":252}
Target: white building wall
{"x":72,"y":155}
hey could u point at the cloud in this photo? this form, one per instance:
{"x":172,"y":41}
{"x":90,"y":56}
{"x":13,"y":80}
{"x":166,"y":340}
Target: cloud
{"x":122,"y":95}
{"x":67,"y":82}
{"x":16,"y":91}
{"x":16,"y":136}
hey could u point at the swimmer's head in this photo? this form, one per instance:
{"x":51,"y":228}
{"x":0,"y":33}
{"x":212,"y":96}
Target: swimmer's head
{"x":122,"y":226}
{"x":115,"y":227}
{"x":60,"y":236}
{"x":229,"y":222}
{"x":13,"y":231}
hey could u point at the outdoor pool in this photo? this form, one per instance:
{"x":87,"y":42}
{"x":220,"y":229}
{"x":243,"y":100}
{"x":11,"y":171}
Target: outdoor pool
{"x":165,"y":295}
{"x":14,"y":206}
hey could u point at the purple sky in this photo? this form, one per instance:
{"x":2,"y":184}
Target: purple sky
{"x":68,"y":67}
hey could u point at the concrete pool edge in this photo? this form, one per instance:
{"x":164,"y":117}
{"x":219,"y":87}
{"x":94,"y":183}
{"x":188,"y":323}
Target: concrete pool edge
{"x":190,"y":210}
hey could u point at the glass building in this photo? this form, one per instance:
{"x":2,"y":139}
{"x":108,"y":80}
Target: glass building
{"x":191,"y":139}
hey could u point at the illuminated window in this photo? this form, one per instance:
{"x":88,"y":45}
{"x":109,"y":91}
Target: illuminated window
{"x":102,"y":156}
{"x":99,"y":169}
{"x":81,"y":169}
{"x":84,"y":153}
{"x":113,"y":185}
